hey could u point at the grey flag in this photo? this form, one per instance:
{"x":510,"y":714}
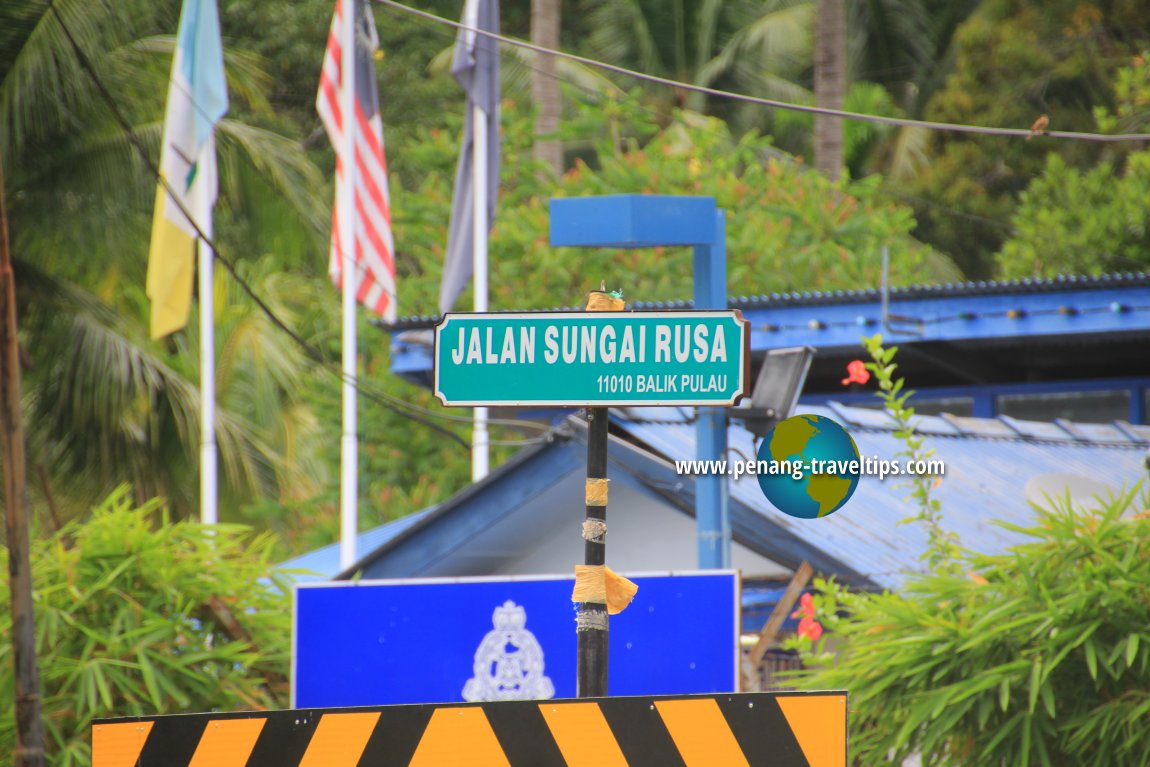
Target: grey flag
{"x":476,"y":67}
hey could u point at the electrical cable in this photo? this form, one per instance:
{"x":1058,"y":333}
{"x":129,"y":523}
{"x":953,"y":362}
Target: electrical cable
{"x":897,"y":121}
{"x":402,"y":407}
{"x":909,"y":199}
{"x":399,"y":406}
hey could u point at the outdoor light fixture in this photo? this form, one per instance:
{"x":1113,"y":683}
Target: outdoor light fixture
{"x":777,"y":388}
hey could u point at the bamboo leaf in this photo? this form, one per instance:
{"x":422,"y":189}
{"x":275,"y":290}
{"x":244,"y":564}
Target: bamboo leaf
{"x":1048,"y":700}
{"x":1024,"y":749}
{"x":1035,"y":683}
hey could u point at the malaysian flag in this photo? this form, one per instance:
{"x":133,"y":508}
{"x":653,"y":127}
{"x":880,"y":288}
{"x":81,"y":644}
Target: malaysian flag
{"x":374,"y":251}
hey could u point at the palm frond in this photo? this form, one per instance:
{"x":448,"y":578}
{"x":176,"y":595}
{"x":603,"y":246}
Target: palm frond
{"x":707,"y":27}
{"x":281,"y":161}
{"x":909,"y":153}
{"x":247,"y":76}
{"x":623,"y":34}
{"x":779,"y":39}
{"x":43,"y":86}
{"x":103,"y":405}
{"x":580,"y":75}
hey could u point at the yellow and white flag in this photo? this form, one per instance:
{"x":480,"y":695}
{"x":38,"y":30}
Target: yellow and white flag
{"x":197,"y":99}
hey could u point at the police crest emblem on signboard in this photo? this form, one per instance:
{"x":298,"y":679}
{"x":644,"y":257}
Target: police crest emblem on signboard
{"x":509,"y":661}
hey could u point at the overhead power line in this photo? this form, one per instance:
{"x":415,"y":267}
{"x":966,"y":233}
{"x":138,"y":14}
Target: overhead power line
{"x":732,"y":96}
{"x":397,"y":405}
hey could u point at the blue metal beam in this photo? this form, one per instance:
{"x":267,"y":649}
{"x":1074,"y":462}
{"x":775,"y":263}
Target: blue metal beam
{"x":712,"y":515}
{"x":632,"y":221}
{"x":640,"y":221}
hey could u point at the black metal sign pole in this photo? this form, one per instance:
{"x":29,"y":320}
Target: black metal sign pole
{"x":592,"y":621}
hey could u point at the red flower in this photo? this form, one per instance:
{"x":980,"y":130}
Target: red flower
{"x":808,"y":626}
{"x":806,"y":607}
{"x":856,"y":373}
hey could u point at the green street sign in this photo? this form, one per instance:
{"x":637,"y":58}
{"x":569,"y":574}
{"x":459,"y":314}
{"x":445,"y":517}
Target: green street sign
{"x":593,"y":358}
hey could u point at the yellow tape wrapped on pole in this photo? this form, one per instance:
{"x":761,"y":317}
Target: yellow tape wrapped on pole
{"x":601,"y":585}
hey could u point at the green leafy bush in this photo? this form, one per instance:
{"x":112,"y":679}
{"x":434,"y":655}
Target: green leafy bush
{"x":787,"y":229}
{"x":1082,"y":222}
{"x":1035,"y":656}
{"x":136,"y":614}
{"x":1094,"y":221}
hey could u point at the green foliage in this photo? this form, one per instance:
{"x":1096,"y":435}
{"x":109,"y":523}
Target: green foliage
{"x":942,"y":546}
{"x":787,"y":229}
{"x":1132,"y":96}
{"x":862,"y":141}
{"x":1035,"y":656}
{"x":1013,"y":61}
{"x":105,"y":403}
{"x":125,"y":625}
{"x":1072,"y":221}
{"x":1038,"y":656}
{"x":1092,"y":221}
{"x":763,"y":48}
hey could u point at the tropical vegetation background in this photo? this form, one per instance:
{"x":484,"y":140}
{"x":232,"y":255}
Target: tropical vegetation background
{"x":112,"y":415}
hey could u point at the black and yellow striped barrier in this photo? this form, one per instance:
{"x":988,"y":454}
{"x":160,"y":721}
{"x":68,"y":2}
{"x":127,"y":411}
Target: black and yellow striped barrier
{"x":759,"y":729}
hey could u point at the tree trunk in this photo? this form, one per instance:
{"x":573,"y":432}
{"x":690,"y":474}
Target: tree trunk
{"x":830,"y":84}
{"x":545,"y":15}
{"x":29,"y":727}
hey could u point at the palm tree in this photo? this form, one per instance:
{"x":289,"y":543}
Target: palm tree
{"x":762,"y":48}
{"x":106,"y":403}
{"x":545,"y":21}
{"x":905,"y":46}
{"x":830,"y":86}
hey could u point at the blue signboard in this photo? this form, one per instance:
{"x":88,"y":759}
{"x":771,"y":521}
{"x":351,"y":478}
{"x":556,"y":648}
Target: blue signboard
{"x":436,"y":641}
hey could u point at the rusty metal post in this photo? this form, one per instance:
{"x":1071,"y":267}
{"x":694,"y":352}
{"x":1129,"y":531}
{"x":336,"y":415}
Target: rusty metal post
{"x":29,"y":727}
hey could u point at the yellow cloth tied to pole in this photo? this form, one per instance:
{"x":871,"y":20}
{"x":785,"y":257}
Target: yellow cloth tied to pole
{"x":602,"y":585}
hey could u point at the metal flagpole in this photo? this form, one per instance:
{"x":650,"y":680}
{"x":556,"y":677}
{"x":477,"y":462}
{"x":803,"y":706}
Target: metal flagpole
{"x":349,"y":447}
{"x":480,"y":450}
{"x":209,"y":495}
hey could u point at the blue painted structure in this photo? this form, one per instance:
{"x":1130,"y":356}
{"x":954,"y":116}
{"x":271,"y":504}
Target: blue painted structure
{"x":511,"y":504}
{"x":645,"y":221}
{"x":972,"y":339}
{"x":388,"y":642}
{"x":972,"y":311}
{"x":985,"y":397}
{"x":322,"y":564}
{"x":989,"y":463}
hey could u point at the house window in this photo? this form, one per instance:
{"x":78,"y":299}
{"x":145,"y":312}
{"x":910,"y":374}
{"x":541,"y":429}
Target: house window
{"x":1086,"y":407}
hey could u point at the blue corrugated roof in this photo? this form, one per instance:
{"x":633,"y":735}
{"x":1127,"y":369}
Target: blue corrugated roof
{"x":323,"y":563}
{"x":988,"y":465}
{"x":1055,"y":284}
